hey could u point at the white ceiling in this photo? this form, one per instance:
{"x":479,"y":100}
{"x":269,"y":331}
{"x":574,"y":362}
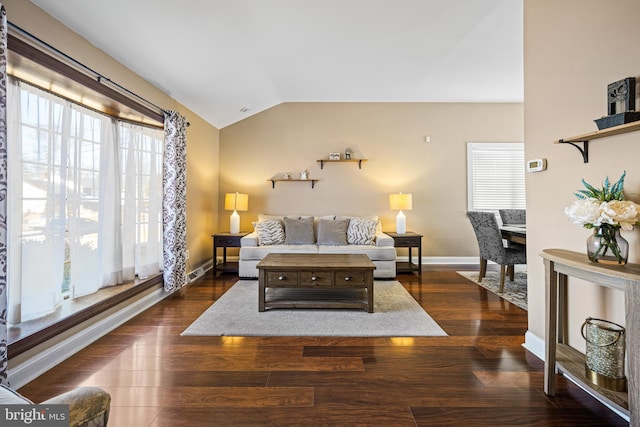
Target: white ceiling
{"x":219,"y":56}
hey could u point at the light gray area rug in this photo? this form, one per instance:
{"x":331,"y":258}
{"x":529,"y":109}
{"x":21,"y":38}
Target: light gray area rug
{"x":396,"y":314}
{"x":515,"y":293}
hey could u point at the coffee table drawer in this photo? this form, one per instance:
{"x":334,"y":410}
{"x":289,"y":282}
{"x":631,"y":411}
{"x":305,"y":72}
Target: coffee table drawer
{"x":282,"y":278}
{"x":349,"y":278}
{"x":316,"y":278}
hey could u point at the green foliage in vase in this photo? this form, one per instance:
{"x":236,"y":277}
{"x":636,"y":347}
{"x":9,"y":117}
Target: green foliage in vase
{"x":607,"y":193}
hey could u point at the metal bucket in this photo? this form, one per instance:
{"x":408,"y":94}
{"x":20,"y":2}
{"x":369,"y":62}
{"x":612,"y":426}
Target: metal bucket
{"x":605,"y":353}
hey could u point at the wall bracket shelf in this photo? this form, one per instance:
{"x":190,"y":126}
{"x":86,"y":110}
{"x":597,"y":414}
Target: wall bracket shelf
{"x":584,"y":150}
{"x":585,"y":138}
{"x":312,"y":181}
{"x":359,"y":161}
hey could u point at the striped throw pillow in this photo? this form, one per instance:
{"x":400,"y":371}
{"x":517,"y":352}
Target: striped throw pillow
{"x":361,"y":231}
{"x":269,"y":232}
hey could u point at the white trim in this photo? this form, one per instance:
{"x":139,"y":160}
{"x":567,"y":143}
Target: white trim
{"x":197,"y":273}
{"x":534,"y":344}
{"x":37,"y":365}
{"x":449,"y":260}
{"x":435,"y":260}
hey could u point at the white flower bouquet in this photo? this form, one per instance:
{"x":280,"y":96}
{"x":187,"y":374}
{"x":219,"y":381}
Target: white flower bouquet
{"x":607,"y":212}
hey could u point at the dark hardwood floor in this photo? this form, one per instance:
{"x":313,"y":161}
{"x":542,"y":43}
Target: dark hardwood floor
{"x":480,"y":375}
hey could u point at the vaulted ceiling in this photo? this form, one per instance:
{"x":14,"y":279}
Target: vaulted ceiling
{"x":228,"y":59}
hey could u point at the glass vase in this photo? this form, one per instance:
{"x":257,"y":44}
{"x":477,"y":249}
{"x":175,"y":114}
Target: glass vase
{"x":607,"y":246}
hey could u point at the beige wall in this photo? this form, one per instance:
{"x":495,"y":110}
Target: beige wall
{"x":292,"y":136}
{"x":573,"y":49}
{"x":202,"y":138}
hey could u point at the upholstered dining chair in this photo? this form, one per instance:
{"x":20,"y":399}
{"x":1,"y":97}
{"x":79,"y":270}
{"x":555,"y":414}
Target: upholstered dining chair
{"x":492,"y":248}
{"x":513,"y":216}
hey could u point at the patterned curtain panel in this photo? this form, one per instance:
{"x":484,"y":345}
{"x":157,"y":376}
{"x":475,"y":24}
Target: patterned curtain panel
{"x":174,"y":201}
{"x":3,"y":197}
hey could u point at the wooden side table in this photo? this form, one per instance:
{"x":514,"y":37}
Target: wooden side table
{"x":224,"y":241}
{"x":408,"y":240}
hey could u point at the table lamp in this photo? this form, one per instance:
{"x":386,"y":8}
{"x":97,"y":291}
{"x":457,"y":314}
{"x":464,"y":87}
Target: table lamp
{"x":235,"y":202}
{"x":401,"y":202}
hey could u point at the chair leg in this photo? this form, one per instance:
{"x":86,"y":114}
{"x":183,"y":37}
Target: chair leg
{"x":502,"y":274}
{"x":483,"y":269}
{"x":512,"y":272}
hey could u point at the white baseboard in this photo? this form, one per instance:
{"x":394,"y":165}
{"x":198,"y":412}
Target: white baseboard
{"x":435,"y":260}
{"x":449,"y":260}
{"x":534,"y":344}
{"x":46,"y":359}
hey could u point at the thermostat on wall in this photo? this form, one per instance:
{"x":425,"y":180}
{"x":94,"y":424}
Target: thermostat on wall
{"x":536,"y":165}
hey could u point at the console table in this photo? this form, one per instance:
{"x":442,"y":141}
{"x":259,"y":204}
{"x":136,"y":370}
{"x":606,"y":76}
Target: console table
{"x":560,"y":357}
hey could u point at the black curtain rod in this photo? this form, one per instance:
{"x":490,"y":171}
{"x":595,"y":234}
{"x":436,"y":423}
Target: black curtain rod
{"x":99,"y":77}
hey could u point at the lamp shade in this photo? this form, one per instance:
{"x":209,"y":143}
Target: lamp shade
{"x":400,"y":201}
{"x":236,"y":202}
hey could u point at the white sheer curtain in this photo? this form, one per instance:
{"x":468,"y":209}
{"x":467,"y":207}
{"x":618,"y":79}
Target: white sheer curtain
{"x":90,"y":147}
{"x":141,"y":152}
{"x":36,"y":201}
{"x":84,"y":200}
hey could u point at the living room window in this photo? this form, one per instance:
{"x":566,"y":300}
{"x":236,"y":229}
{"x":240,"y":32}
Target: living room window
{"x":495,"y":176}
{"x":84,"y":201}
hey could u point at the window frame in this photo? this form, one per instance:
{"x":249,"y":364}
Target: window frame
{"x":37,"y":63}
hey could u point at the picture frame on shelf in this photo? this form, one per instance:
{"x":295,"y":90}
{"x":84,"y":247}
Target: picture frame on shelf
{"x":334,"y":156}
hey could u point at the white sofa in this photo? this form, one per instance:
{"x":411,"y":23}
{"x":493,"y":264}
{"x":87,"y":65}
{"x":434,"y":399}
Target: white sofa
{"x":325,"y":238}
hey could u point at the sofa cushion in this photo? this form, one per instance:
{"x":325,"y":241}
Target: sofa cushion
{"x":361,"y":231}
{"x":299,"y":231}
{"x":375,"y":253}
{"x":259,"y":252}
{"x":332,"y":232}
{"x":11,"y":397}
{"x":383,"y":239}
{"x":269,"y":232}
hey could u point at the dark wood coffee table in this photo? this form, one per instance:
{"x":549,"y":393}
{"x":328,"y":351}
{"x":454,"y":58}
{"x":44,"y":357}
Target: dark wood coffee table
{"x":315,"y":281}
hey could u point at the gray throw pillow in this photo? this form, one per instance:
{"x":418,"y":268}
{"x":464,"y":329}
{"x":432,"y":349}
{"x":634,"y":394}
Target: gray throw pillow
{"x":298,"y":231}
{"x":333,"y":232}
{"x":269,"y":232}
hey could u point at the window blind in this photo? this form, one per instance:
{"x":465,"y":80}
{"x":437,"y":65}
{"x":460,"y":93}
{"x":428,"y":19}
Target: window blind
{"x":495,"y":174}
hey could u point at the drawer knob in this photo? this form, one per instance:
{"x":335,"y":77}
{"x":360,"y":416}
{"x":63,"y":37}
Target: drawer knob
{"x":282,"y":277}
{"x":348,"y":278}
{"x":314,"y":278}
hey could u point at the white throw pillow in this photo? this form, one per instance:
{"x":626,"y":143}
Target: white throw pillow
{"x":269,"y":232}
{"x":361,"y":231}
